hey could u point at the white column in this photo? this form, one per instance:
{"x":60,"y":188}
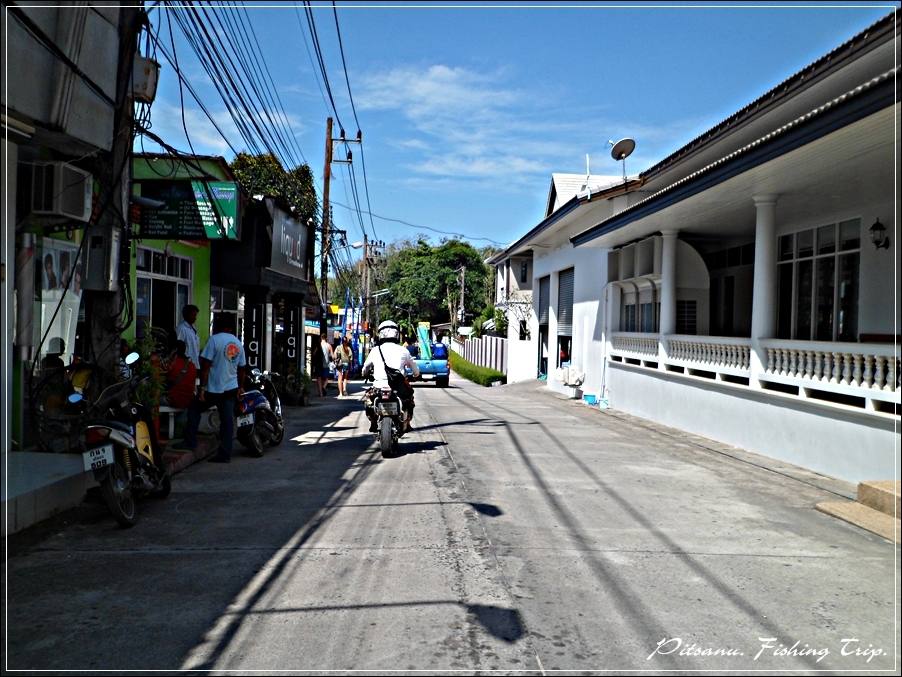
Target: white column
{"x":668,"y":282}
{"x":764,"y":319}
{"x":668,"y":292}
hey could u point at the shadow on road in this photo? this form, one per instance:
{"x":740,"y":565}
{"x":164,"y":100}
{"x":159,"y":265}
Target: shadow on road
{"x":629,"y":602}
{"x":195,"y":565}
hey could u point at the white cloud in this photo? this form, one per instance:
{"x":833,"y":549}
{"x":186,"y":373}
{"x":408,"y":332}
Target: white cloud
{"x":469,"y":125}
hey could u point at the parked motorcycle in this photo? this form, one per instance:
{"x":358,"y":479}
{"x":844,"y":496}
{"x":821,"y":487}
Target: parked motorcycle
{"x":121,"y":448}
{"x":260,"y":422}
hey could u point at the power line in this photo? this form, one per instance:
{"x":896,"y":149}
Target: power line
{"x":275,"y":89}
{"x":414,"y":225}
{"x":311,"y":23}
{"x":344,"y":66}
{"x":235,"y":38}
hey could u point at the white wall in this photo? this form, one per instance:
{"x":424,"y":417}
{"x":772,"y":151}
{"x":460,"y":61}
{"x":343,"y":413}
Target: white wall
{"x":854,"y":446}
{"x":878,"y":288}
{"x":877,"y":285}
{"x":590,"y":276}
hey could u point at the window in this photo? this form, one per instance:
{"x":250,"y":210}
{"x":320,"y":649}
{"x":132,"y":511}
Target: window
{"x":163,"y":289}
{"x":228,"y":301}
{"x":686,"y":317}
{"x":817,"y":278}
{"x":524,"y":271}
{"x":628,"y":317}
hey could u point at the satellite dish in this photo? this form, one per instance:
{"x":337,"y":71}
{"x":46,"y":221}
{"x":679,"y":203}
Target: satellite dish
{"x":622,"y":149}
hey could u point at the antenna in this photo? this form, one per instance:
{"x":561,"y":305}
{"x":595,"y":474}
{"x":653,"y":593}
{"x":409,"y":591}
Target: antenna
{"x":621,"y":151}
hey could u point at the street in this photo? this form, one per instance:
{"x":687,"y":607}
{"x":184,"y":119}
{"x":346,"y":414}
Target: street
{"x":516,"y":531}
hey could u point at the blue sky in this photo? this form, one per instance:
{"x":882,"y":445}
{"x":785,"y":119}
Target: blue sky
{"x":467,"y":111}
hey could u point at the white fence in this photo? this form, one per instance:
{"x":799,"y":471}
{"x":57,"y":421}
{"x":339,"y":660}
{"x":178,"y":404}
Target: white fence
{"x":488,"y":351}
{"x":868,"y":372}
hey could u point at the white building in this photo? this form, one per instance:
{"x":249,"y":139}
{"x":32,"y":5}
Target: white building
{"x":743,"y":288}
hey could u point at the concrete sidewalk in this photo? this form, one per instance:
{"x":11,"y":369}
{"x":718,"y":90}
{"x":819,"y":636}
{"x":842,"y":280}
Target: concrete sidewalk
{"x":41,"y":485}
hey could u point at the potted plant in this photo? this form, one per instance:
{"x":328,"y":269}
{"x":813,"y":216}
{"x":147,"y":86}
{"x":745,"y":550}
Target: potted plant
{"x":150,"y":370}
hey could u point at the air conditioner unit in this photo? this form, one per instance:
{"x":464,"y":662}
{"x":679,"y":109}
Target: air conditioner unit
{"x":59,"y":189}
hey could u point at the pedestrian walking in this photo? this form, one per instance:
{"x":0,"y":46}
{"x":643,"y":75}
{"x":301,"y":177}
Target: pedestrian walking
{"x":186,"y":332}
{"x":327,"y":364}
{"x":343,"y":357}
{"x":221,"y":384}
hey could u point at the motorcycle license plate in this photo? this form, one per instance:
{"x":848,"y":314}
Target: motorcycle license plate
{"x":99,"y":457}
{"x":247,"y":419}
{"x":388,"y":408}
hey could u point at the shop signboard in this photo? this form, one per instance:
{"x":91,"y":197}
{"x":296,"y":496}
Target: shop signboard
{"x":254,"y":332}
{"x":289,"y":245}
{"x":187,"y":212}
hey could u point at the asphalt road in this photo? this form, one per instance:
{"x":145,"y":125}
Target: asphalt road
{"x":516,"y":532}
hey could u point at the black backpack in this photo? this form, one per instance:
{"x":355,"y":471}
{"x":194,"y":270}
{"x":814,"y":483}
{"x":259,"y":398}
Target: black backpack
{"x":396,"y":379}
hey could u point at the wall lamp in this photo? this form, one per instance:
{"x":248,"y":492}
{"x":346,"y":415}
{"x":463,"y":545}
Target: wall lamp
{"x":879,"y":236}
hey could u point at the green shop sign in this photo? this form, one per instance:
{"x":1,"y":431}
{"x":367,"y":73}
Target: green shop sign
{"x":191,"y":210}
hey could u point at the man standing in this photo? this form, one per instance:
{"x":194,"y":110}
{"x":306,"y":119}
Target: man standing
{"x":187,"y":333}
{"x":221,"y":379}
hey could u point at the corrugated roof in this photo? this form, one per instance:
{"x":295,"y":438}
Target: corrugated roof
{"x":788,"y":88}
{"x":820,"y":110}
{"x":566,"y":186}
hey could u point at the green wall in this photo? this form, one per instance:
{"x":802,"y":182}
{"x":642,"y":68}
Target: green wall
{"x":200,"y":289}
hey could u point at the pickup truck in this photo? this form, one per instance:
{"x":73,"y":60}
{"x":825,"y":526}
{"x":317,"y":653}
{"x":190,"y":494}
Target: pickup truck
{"x":435,"y":367}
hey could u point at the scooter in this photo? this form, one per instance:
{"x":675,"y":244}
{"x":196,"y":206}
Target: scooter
{"x":121,"y":448}
{"x":259,"y":415}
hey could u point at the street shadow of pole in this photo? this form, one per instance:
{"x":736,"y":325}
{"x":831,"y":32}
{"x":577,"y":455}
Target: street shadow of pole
{"x":504,"y":624}
{"x":602,"y":573}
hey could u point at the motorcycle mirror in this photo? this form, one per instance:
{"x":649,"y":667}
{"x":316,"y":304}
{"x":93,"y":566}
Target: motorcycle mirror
{"x":75,"y":398}
{"x":131,"y":358}
{"x":255,"y":372}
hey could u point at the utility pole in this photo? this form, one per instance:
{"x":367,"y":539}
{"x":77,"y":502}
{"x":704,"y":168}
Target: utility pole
{"x":327,"y":243}
{"x":366,"y":281}
{"x":324,"y":247}
{"x":463,"y":275}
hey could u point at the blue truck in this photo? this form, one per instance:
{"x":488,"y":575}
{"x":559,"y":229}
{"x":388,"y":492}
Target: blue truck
{"x":431,"y":358}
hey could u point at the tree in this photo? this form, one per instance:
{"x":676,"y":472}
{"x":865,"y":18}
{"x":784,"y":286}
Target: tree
{"x":264,"y":175}
{"x":425,"y":280}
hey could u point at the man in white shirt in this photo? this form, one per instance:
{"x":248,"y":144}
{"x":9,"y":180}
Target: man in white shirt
{"x":390,"y":353}
{"x":187,"y":333}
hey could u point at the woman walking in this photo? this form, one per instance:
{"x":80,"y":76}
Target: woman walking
{"x":325,"y":363}
{"x":343,"y":357}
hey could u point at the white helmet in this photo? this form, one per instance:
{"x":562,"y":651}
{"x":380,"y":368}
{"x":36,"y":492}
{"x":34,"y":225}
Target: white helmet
{"x":389,"y":331}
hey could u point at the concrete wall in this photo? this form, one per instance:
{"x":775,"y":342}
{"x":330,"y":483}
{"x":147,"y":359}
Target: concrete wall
{"x":46,"y":91}
{"x":590,"y":277}
{"x":816,"y":436}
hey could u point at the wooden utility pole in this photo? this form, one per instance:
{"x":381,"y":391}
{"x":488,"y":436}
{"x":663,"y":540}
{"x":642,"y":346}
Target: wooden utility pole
{"x":326,"y":244}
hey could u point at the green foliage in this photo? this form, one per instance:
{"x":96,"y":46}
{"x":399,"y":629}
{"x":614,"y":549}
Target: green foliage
{"x":264,"y":175}
{"x":500,"y":322}
{"x":150,"y":391}
{"x":425,"y":282}
{"x":481,"y":375}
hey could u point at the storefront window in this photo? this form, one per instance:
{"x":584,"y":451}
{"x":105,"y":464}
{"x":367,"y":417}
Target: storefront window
{"x":163,"y":289}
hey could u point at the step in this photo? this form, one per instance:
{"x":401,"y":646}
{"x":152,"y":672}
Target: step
{"x":863,"y":516}
{"x":881,"y":495}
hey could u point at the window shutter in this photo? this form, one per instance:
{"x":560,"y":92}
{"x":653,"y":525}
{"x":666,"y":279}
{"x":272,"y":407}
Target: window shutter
{"x":565,"y":303}
{"x":544,"y":294}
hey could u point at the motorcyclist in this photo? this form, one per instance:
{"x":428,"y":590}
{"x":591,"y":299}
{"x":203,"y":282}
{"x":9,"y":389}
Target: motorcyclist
{"x":389,"y":352}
